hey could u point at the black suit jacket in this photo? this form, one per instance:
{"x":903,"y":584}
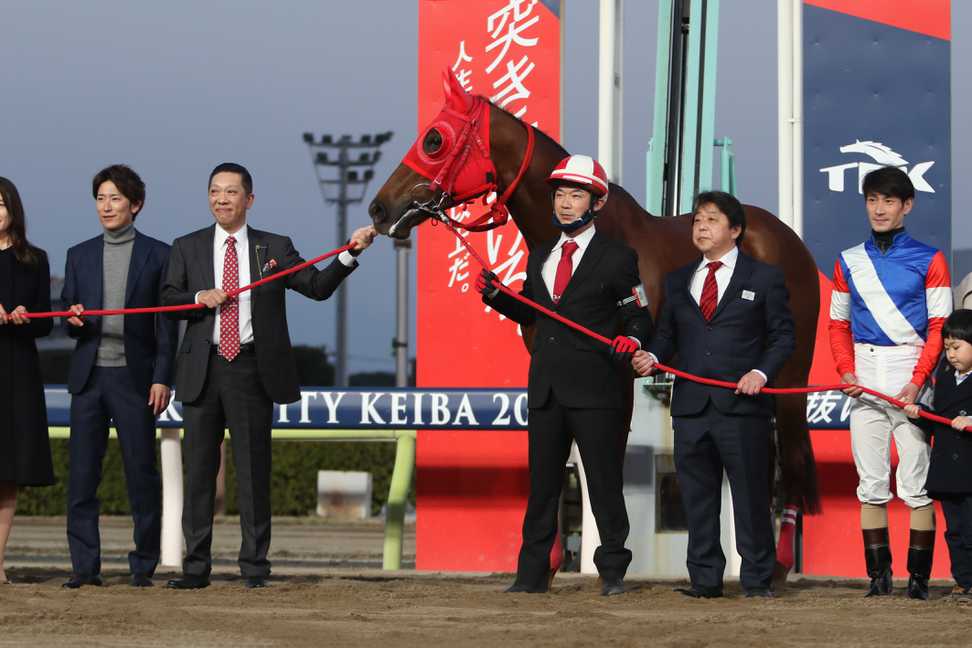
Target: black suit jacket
{"x":191,"y":270}
{"x":743,"y":334}
{"x":150,"y":339}
{"x":576,"y":368}
{"x":951,"y":455}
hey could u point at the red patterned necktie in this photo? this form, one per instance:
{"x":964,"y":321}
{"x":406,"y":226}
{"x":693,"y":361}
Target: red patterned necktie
{"x":564,"y":269}
{"x":710,"y":291}
{"x":229,"y":312}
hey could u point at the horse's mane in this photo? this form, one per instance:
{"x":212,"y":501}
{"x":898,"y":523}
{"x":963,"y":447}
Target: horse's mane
{"x":541,"y":134}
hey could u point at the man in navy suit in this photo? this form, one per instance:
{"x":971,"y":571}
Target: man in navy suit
{"x":725,"y":316}
{"x":121,"y":373}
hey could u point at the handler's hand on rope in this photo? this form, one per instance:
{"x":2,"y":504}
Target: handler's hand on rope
{"x":212,"y":298}
{"x":361,"y":239}
{"x":643,"y":362}
{"x":622,"y":349}
{"x":17,"y":318}
{"x":908,"y":393}
{"x":486,"y":284}
{"x":851,"y":379}
{"x":960,"y":422}
{"x":77,"y":309}
{"x":751,"y":384}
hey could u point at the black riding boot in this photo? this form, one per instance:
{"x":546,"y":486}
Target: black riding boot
{"x":921,"y":548}
{"x":877,"y":555}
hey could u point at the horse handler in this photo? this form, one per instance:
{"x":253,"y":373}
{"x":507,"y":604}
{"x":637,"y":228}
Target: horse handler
{"x":890,"y":299}
{"x":726,"y":316}
{"x":576,"y":387}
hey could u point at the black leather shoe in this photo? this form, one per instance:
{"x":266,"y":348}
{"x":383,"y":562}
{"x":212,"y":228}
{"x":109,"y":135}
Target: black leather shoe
{"x":141,"y":580}
{"x":255,"y":582}
{"x":77,"y":581}
{"x":516,"y":588}
{"x":188,"y":583}
{"x":612,"y":586}
{"x":760,"y":592}
{"x":698,"y":592}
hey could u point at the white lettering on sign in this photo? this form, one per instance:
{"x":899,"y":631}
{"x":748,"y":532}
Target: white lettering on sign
{"x":882,"y":155}
{"x":439,"y":409}
{"x":305,"y":399}
{"x":399,"y":409}
{"x":332,"y":401}
{"x":465,"y":411}
{"x":368,"y":412}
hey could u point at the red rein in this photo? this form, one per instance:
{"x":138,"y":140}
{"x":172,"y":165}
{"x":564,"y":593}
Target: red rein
{"x":681,"y":374}
{"x":186,"y":307}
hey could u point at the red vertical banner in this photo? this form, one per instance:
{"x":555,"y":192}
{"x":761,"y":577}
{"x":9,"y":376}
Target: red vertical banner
{"x":471,"y":486}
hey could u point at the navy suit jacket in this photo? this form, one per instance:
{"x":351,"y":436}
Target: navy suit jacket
{"x":752,"y":328}
{"x":150,"y":339}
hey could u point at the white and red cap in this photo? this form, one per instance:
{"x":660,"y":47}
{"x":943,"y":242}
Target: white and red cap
{"x":583,"y":170}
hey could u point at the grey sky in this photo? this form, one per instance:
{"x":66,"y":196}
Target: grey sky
{"x":174,"y":88}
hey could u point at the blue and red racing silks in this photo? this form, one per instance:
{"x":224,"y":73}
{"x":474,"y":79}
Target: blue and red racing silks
{"x":899,"y":297}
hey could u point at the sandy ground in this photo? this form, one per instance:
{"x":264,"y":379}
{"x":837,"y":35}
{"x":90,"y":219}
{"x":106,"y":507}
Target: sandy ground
{"x":311,"y":602}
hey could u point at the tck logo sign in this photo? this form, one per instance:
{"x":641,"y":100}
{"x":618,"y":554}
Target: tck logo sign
{"x":881,"y":155}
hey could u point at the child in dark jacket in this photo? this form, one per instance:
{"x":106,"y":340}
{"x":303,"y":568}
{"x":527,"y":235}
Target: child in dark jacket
{"x":950,"y":470}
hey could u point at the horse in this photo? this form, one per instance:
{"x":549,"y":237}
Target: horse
{"x":474,"y":147}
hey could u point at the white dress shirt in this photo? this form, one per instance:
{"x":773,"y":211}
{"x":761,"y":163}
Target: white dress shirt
{"x":243,"y":256}
{"x":549,"y":269}
{"x":243,"y":263}
{"x":722,"y":275}
{"x":960,"y":377}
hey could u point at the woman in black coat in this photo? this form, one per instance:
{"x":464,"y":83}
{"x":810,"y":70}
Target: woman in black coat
{"x":25,"y":285}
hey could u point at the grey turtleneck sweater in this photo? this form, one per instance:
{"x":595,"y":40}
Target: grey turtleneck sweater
{"x":118,"y":256}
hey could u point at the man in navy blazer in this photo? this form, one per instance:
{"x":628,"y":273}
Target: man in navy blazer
{"x":725,"y":316}
{"x":121,"y":373}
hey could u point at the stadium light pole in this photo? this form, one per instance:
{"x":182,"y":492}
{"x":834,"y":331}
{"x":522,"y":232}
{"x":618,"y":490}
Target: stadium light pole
{"x":344,"y":181}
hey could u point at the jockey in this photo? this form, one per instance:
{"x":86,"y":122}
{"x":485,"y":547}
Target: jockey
{"x":891,"y":295}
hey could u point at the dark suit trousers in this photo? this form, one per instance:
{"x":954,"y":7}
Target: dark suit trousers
{"x":232,"y":397}
{"x":705,"y":445}
{"x":958,"y":535}
{"x":109,"y":395}
{"x":600,"y":437}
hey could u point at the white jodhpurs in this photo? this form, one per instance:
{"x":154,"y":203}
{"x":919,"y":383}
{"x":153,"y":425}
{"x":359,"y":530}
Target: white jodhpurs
{"x":874,"y":422}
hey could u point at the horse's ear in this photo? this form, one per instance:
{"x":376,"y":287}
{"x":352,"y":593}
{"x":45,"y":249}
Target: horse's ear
{"x":455,"y":95}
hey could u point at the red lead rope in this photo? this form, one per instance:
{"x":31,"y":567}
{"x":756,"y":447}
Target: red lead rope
{"x":186,"y":307}
{"x":682,"y":374}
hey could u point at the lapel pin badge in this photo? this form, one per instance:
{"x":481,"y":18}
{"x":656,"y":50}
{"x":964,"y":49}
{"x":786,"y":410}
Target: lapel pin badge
{"x":748,"y":295}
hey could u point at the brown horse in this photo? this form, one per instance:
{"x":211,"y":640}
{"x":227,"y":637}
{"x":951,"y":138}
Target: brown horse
{"x":447,"y":153}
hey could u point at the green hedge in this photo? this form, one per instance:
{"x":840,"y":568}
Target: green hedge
{"x":293,"y":483}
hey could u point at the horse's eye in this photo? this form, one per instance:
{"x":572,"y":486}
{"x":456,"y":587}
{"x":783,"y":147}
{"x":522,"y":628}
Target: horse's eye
{"x":432,"y":142}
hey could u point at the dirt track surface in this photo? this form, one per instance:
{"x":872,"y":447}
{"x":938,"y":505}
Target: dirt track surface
{"x":406,"y":609}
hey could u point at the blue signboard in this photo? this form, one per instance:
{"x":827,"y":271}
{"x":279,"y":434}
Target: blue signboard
{"x":874,"y":95}
{"x":409,"y":409}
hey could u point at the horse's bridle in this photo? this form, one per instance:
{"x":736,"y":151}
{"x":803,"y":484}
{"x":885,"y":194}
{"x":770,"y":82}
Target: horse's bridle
{"x":442,"y":186}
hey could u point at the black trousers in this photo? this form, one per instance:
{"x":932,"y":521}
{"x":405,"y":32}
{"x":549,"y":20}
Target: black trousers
{"x":600,"y":438}
{"x":110,"y":396}
{"x":705,"y":446}
{"x":233,"y":397}
{"x":958,"y":536}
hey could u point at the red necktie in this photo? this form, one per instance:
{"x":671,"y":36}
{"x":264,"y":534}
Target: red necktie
{"x":710,"y":291}
{"x":229,"y":312}
{"x":564,"y":269}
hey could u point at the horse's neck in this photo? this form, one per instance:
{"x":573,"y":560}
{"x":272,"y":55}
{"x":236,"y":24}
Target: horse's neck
{"x":622,"y":218}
